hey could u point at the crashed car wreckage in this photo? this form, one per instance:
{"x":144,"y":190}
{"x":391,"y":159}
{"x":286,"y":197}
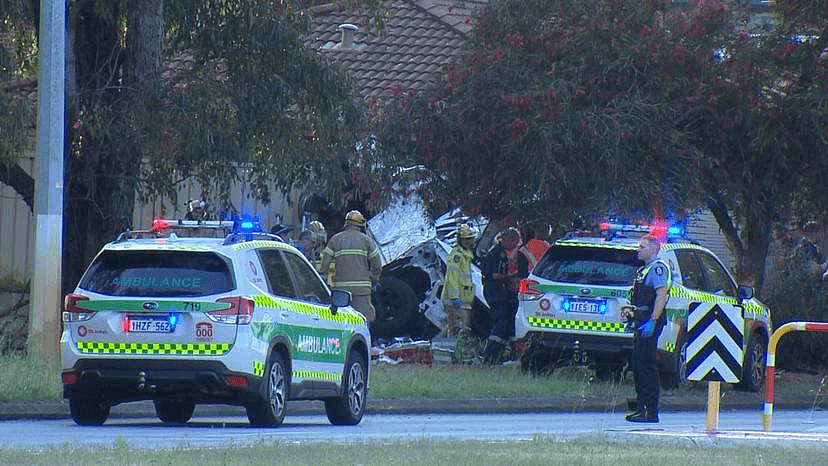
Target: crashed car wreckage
{"x":413,"y":250}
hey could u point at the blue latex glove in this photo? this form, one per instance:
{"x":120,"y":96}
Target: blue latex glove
{"x":646,"y":329}
{"x":456,"y":303}
{"x":375,"y":287}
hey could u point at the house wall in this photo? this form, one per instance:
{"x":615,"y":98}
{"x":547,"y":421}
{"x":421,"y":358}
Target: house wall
{"x":16,"y":229}
{"x":703,"y":228}
{"x":280,"y":210}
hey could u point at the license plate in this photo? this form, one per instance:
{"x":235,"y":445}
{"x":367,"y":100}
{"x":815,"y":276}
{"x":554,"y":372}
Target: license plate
{"x":149,"y":324}
{"x":588,"y":306}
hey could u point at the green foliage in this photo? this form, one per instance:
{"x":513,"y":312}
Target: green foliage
{"x":557,"y":107}
{"x":560,"y":108}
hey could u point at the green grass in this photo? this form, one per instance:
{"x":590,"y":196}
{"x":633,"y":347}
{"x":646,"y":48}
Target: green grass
{"x":29,"y":379}
{"x":461,"y":381}
{"x":540,"y":451}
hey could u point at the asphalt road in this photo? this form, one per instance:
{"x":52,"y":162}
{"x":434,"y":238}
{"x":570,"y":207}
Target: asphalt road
{"x":805,"y":428}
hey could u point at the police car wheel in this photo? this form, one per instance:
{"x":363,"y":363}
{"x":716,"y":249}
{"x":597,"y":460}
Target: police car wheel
{"x":349,"y":408}
{"x":269,"y":410}
{"x":171,"y":411}
{"x":88,"y":411}
{"x":753,"y":374}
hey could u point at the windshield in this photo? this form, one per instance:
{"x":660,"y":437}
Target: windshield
{"x":158,"y":273}
{"x":589,"y":266}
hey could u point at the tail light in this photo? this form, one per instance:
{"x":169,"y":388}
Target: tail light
{"x":526,"y":292}
{"x":72,"y":312}
{"x":240,"y":311}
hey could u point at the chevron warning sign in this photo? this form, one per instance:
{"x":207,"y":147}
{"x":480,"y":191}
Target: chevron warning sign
{"x":715,"y":333}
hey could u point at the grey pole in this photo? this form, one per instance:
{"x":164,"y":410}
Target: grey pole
{"x":44,"y":314}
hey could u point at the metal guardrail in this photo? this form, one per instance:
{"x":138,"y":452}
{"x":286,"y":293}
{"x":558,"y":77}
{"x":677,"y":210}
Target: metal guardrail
{"x":770,"y":364}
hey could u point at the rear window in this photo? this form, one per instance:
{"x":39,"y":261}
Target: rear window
{"x":158,"y":273}
{"x":589,"y":266}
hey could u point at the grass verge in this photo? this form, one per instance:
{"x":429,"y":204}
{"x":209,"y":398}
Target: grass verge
{"x":29,"y":379}
{"x":541,"y":451}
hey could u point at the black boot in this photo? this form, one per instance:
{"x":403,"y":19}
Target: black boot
{"x":643,"y":415}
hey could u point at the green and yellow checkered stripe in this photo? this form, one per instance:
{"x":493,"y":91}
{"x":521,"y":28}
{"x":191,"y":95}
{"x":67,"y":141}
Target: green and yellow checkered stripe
{"x":316,"y":375}
{"x":545,"y":322}
{"x":258,"y":368}
{"x":189,"y":349}
{"x":259,"y":244}
{"x":308,"y":309}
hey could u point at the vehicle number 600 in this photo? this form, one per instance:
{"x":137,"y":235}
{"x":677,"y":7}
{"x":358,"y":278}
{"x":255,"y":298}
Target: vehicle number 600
{"x":204,"y":330}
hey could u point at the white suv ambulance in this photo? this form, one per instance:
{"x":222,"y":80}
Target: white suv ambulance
{"x":241,"y":319}
{"x":569,"y":306}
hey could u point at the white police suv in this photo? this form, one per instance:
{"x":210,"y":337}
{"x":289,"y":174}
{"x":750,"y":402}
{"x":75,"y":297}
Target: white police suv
{"x":179,"y":316}
{"x":570,"y":305}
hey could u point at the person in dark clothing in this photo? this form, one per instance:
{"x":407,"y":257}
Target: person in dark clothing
{"x":647,"y":300}
{"x":497,"y":291}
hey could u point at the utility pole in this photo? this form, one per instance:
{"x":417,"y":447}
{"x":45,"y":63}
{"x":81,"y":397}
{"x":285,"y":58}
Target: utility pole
{"x":44,"y":313}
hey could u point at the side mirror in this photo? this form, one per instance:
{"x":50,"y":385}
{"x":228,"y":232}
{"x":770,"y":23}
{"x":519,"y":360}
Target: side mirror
{"x":745,"y":292}
{"x":339,"y":298}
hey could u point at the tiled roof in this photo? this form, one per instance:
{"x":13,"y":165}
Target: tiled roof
{"x":422,"y":36}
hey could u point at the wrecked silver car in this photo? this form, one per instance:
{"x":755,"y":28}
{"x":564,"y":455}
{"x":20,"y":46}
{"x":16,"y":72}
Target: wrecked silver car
{"x":413,"y":249}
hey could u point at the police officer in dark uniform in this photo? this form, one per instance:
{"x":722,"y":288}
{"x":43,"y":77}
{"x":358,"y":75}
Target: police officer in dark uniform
{"x":648,"y":298}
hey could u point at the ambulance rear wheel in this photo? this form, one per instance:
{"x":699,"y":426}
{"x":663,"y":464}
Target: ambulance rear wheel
{"x":171,"y":411}
{"x":753,"y":373}
{"x":676,"y":377}
{"x":269,"y":410}
{"x":88,"y":411}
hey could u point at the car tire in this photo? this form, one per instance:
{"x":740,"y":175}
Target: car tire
{"x":170,"y":411}
{"x":753,"y":372}
{"x":396,"y":307}
{"x":610,"y":373}
{"x":88,"y":411}
{"x":269,"y":410}
{"x":347,"y":410}
{"x":677,"y":377}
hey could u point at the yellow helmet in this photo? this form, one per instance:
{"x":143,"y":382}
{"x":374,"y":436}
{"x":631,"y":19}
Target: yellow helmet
{"x":318,"y":229}
{"x":465,"y":231}
{"x":354,"y":217}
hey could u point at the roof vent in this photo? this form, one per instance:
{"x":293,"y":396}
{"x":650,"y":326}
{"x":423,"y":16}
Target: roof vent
{"x":348,"y":31}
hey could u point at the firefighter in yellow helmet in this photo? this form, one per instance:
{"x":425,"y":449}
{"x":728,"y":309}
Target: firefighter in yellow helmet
{"x":318,"y":229}
{"x":458,"y":289}
{"x":357,"y":263}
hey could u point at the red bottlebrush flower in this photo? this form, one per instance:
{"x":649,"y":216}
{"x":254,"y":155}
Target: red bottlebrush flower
{"x":411,"y":92}
{"x":396,"y":90}
{"x":77,"y":125}
{"x":607,"y":109}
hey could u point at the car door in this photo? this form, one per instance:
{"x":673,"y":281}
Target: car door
{"x":711,"y":287}
{"x":291,"y":319}
{"x":330,"y":335}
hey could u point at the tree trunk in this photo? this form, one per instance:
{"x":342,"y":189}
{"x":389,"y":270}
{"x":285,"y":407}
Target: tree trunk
{"x":748,"y":245}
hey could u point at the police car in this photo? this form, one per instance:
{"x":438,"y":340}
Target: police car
{"x":570,"y":305}
{"x":240,"y":318}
